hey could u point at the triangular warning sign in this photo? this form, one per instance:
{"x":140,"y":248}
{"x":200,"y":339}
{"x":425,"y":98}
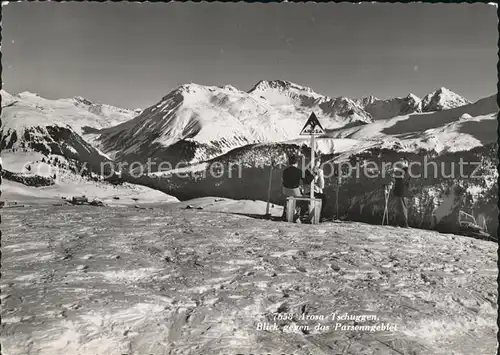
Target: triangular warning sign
{"x":312,"y":126}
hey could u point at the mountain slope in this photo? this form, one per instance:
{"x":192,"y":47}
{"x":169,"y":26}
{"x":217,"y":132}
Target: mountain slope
{"x":195,"y":122}
{"x":200,"y":121}
{"x":451,"y":130}
{"x":383,"y":109}
{"x":57,"y":127}
{"x":47,"y":137}
{"x":455,"y":129}
{"x":31,"y":130}
{"x":292,"y":99}
{"x":77,"y":112}
{"x":439,"y":100}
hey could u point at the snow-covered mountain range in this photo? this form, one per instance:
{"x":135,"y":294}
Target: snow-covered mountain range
{"x":194,"y":123}
{"x":442,"y":99}
{"x":207,"y":121}
{"x":456,"y":129}
{"x":198,"y":122}
{"x":382,"y":109}
{"x":292,"y":99}
{"x":29,"y":108}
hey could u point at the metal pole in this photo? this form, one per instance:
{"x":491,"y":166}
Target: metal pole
{"x":269,"y":190}
{"x":385,"y":204}
{"x":385,"y":207}
{"x":337,"y":194}
{"x":311,"y":206}
{"x":387,"y":192}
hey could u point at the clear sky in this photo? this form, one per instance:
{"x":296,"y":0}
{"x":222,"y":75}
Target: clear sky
{"x":132,"y":54}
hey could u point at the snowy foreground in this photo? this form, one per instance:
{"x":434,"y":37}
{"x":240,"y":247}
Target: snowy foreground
{"x":166,"y":280}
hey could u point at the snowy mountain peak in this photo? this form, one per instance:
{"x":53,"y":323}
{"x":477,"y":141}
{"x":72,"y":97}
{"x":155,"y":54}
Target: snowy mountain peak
{"x":297,"y":100}
{"x":28,"y":94}
{"x":392,"y":107}
{"x":344,"y":98}
{"x":31,"y":110}
{"x":413,"y":97}
{"x":189,"y":88}
{"x":285,"y":93}
{"x":230,"y":88}
{"x":177,"y":95}
{"x":79,"y":99}
{"x":365,"y":101}
{"x":443,"y":90}
{"x":283,"y":86}
{"x":4,"y":93}
{"x":346,"y":109}
{"x":195,"y":93}
{"x":7,"y":98}
{"x":442,"y":99}
{"x":194,"y":90}
{"x":271,"y":84}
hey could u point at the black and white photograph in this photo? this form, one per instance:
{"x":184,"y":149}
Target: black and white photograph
{"x":276,"y":178}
